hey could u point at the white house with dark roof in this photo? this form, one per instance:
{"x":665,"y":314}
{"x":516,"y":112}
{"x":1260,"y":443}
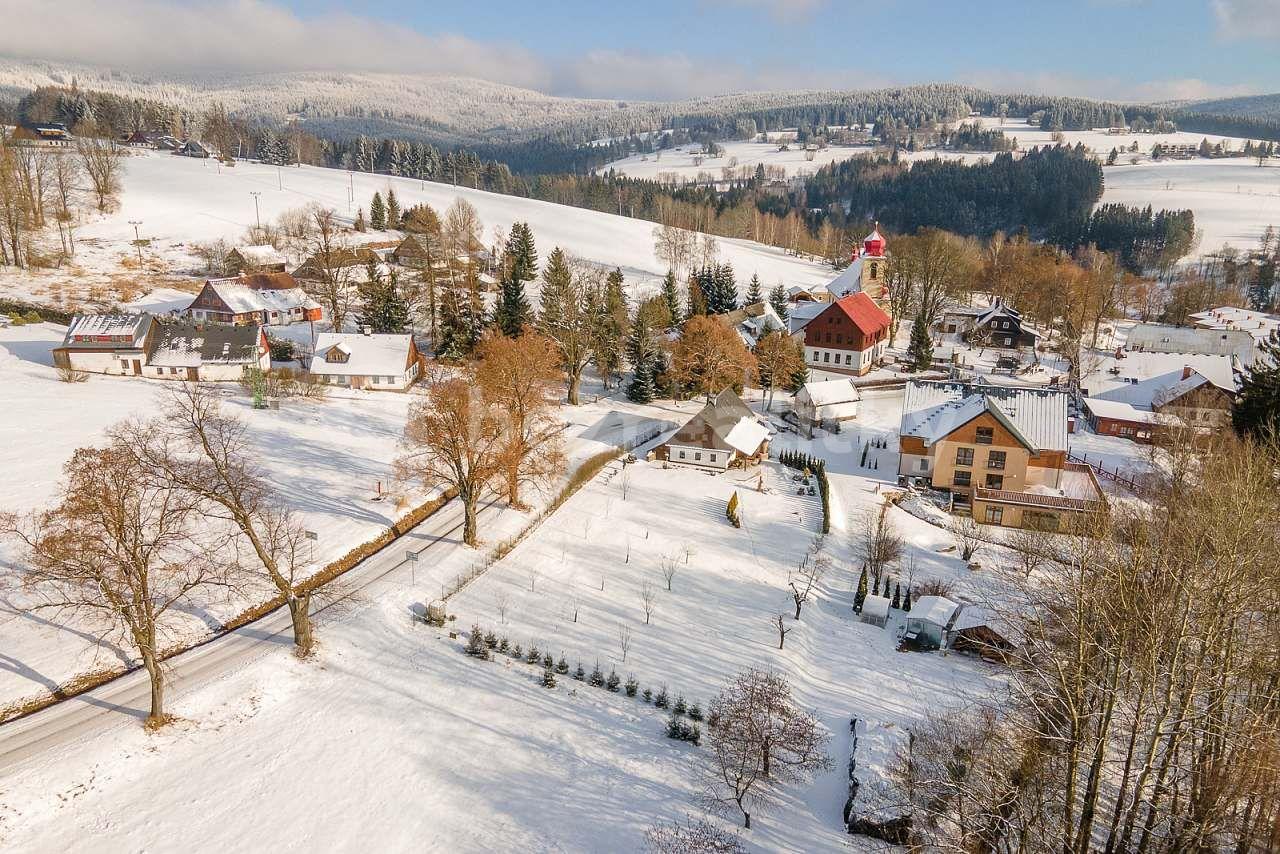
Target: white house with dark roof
{"x":364,"y":360}
{"x":206,"y":352}
{"x":725,"y":434}
{"x":1166,"y":338}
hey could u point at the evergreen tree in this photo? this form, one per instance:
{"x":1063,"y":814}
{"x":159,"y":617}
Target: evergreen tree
{"x":512,"y":311}
{"x":719,"y":288}
{"x":697,"y":298}
{"x":521,"y":253}
{"x":906,"y":600}
{"x":671,"y":296}
{"x":1257,"y":409}
{"x":383,"y":307}
{"x":453,"y":334}
{"x":393,"y":209}
{"x":610,"y":333}
{"x":377,"y":213}
{"x":754,"y":292}
{"x":548,"y":677}
{"x":861,"y":595}
{"x":920,"y":350}
{"x":778,"y":299}
{"x":897,"y":595}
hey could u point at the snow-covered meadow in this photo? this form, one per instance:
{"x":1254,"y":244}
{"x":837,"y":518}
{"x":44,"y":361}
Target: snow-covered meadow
{"x":180,"y":201}
{"x":392,"y":721}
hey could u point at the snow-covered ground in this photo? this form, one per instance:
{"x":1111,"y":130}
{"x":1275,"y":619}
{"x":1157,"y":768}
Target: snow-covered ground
{"x":181,"y":201}
{"x":393,"y":738}
{"x":1233,"y":199}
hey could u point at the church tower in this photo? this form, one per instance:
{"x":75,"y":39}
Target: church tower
{"x":874,"y":262}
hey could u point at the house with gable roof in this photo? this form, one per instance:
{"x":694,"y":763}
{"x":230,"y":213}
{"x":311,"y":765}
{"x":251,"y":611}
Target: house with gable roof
{"x":106,"y":343}
{"x":264,"y":299}
{"x":364,"y":360}
{"x":206,"y":352}
{"x":848,"y":337}
{"x":725,"y":434}
{"x":1000,"y":451}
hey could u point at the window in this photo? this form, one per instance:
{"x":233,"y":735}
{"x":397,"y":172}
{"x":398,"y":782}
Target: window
{"x":994,"y":516}
{"x":995,"y":481}
{"x":985,"y":435}
{"x":377,"y":380}
{"x":1126,"y":431}
{"x":826,"y":357}
{"x":924,"y":465}
{"x":682,"y":455}
{"x":697,"y":455}
{"x":848,"y":358}
{"x":962,"y":478}
{"x":964,"y":456}
{"x":995,"y":460}
{"x":713,"y":458}
{"x":389,"y":380}
{"x":1008,"y":342}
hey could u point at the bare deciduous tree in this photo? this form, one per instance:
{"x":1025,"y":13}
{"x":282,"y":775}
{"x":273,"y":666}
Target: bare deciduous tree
{"x":805,"y":578}
{"x":762,"y":738}
{"x":648,"y":599}
{"x":780,"y":624}
{"x":502,"y":603}
{"x":967,"y":535}
{"x":880,"y":543}
{"x":695,"y":836}
{"x":125,"y":546}
{"x":103,"y":162}
{"x":624,"y":640}
{"x":670,"y":565}
{"x":206,"y":452}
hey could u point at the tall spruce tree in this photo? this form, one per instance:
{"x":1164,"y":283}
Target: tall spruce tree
{"x":383,"y":308}
{"x":778,"y":299}
{"x":754,"y":292}
{"x":519,"y":264}
{"x":393,"y":209}
{"x":1257,"y":409}
{"x":377,"y":213}
{"x":920,"y":348}
{"x":671,"y":296}
{"x":522,"y":254}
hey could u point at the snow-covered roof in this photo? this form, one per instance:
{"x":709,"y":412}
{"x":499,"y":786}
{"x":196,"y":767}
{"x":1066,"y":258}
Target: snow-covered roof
{"x":931,"y":410}
{"x":830,"y":392}
{"x":746,"y":436}
{"x":799,"y":314}
{"x":93,"y":330}
{"x":263,"y":255}
{"x":368,"y":355}
{"x":933,"y":609}
{"x":876,"y":606}
{"x":1166,"y":338}
{"x":1256,"y":323}
{"x":1189,"y":384}
{"x":1121,"y":411}
{"x":189,"y":345}
{"x":1138,"y":378}
{"x":849,"y":280}
{"x":242,"y":299}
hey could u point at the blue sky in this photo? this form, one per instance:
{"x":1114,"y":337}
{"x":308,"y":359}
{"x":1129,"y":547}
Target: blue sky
{"x":1126,"y":49}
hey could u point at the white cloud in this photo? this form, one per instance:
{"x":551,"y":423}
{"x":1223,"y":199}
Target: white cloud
{"x":245,"y":35}
{"x":1248,"y":19}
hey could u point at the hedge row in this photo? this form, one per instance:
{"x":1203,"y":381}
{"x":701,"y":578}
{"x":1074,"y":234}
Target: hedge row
{"x":818,"y":468}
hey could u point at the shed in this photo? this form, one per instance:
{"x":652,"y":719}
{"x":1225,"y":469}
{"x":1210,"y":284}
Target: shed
{"x":826,"y":401}
{"x":875,"y":610}
{"x":930,"y":620}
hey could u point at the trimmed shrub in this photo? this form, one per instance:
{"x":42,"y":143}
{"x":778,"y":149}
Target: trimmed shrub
{"x":580,"y":674}
{"x":597,"y":678}
{"x":562,"y":666}
{"x":695,"y":712}
{"x":647,"y":696}
{"x":534,"y":655}
{"x":681,"y":706}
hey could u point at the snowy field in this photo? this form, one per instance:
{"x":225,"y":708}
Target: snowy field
{"x":1234,"y":200}
{"x":393,"y":739}
{"x":181,"y":201}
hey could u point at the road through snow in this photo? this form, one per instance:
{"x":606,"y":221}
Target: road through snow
{"x":126,"y":699}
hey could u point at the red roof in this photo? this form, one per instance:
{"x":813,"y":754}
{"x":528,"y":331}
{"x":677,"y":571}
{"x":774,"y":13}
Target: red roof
{"x":865,"y":314}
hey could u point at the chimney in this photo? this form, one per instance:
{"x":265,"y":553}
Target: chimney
{"x":1186,"y":372}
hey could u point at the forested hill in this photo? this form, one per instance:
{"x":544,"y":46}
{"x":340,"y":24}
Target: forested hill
{"x":1050,"y":191}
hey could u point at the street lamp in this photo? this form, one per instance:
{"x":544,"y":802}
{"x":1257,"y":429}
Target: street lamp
{"x":137,"y":238}
{"x":256,"y":215}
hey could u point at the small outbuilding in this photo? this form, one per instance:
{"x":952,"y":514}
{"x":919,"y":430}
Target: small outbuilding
{"x":929,"y":622}
{"x":826,"y":402}
{"x":875,"y":610}
{"x":979,"y":631}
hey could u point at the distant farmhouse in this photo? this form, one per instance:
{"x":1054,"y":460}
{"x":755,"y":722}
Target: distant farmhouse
{"x":265,"y":299}
{"x":44,"y":135}
{"x":264,"y":258}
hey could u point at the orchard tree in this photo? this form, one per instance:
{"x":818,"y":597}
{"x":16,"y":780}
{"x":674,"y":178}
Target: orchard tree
{"x":779,"y":357}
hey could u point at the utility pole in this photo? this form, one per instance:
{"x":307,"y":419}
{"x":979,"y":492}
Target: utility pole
{"x":137,"y":238}
{"x":280,"y":177}
{"x":256,"y":215}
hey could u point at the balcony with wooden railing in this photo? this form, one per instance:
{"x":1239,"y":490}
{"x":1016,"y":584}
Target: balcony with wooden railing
{"x":1078,"y":481}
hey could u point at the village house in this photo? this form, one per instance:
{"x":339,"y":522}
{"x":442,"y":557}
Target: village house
{"x":206,"y":352}
{"x":43,"y":135}
{"x":414,"y":251}
{"x":725,"y":434}
{"x":255,"y":259}
{"x":1000,"y":451}
{"x":265,"y":299}
{"x":826,"y":403}
{"x":1126,"y":421}
{"x":1136,"y":394}
{"x":1001,"y":326}
{"x":106,"y":343}
{"x":753,"y":322}
{"x":363,"y":360}
{"x":193,"y":148}
{"x":848,"y":337}
{"x":1198,"y":400}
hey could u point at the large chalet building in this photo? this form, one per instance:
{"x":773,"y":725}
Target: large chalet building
{"x":848,"y":337}
{"x":1001,"y":451}
{"x":264,"y":299}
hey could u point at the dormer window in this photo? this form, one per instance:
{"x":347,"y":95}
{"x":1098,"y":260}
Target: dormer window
{"x":336,"y":354}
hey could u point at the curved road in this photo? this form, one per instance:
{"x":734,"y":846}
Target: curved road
{"x":128,"y":697}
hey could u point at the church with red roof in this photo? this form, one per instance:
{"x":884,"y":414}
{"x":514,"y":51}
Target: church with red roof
{"x":848,"y":337}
